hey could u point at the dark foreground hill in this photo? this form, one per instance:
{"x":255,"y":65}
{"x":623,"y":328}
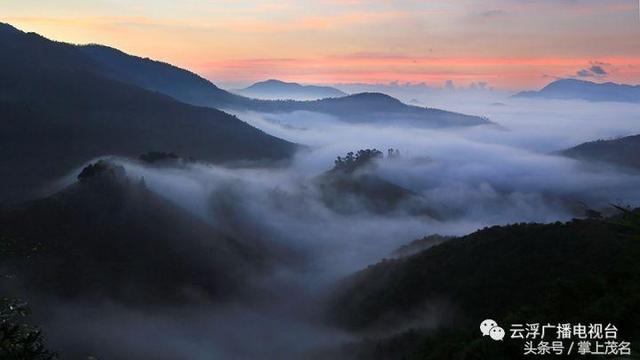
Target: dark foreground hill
{"x":566,"y":89}
{"x":623,"y":151}
{"x":108,"y":238}
{"x":279,"y":90}
{"x":188,"y":87}
{"x":59,"y":110}
{"x":580,"y":271}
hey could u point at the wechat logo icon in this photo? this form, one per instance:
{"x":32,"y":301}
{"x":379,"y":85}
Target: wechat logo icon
{"x":490,"y":328}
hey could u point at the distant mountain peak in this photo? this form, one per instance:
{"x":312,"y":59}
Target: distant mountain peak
{"x":570,"y":80}
{"x":580,"y":82}
{"x":377,"y":96}
{"x":570,"y":88}
{"x":275,"y":81}
{"x":278,"y":89}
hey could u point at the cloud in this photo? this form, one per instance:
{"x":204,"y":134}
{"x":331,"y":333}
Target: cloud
{"x":584,"y":73}
{"x":597,"y":69}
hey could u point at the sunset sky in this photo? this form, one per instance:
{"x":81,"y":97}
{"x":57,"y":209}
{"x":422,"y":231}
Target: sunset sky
{"x":511,"y":44}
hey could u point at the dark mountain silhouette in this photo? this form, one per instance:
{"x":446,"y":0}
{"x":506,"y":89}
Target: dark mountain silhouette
{"x":279,"y":90}
{"x":191,"y":88}
{"x":108,"y":237}
{"x":560,"y":272}
{"x":161,"y":77}
{"x":59,"y":111}
{"x":623,"y":151}
{"x":586,"y":90}
{"x":384,"y":109}
{"x":352,"y":186}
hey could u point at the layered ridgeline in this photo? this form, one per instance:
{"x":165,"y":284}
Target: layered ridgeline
{"x":279,"y":90}
{"x":188,"y":87}
{"x":429,"y":305}
{"x":567,"y":89}
{"x":624,"y":151}
{"x":61,"y":108}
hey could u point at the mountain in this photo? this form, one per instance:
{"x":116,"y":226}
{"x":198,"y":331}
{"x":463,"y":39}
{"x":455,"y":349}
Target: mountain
{"x":107,"y":237}
{"x":586,"y":90}
{"x":352,"y":186}
{"x":159,"y":77}
{"x":429,"y":305}
{"x":191,"y":88}
{"x":280,"y":90}
{"x":60,"y":109}
{"x":384,"y":109}
{"x":624,"y":151}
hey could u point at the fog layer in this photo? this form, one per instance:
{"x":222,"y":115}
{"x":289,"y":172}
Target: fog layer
{"x":471,"y":177}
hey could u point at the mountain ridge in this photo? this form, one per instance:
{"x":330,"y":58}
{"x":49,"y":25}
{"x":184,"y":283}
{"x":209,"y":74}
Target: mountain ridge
{"x":624,"y":151}
{"x":566,"y":89}
{"x":273,"y":89}
{"x":198,"y":91}
{"x":60,"y":111}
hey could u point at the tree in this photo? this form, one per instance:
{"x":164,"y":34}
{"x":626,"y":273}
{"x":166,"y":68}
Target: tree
{"x":352,"y":162}
{"x":18,"y":339}
{"x":101,"y":167}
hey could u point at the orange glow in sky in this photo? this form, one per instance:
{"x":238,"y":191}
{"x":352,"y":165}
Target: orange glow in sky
{"x":510,"y":44}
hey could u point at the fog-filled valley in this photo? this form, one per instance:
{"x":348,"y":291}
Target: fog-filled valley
{"x":458,"y":180}
{"x":152,"y":226}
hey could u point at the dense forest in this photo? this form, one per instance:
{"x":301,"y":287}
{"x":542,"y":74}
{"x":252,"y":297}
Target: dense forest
{"x":581,"y":271}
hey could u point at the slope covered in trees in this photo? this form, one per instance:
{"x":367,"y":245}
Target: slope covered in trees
{"x":108,"y":237}
{"x":623,"y":151}
{"x":352,"y":186}
{"x":580,"y":271}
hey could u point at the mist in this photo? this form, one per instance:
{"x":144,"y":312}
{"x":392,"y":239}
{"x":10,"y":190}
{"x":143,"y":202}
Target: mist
{"x":472,"y":177}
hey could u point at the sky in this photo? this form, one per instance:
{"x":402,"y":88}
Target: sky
{"x":509,"y":44}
